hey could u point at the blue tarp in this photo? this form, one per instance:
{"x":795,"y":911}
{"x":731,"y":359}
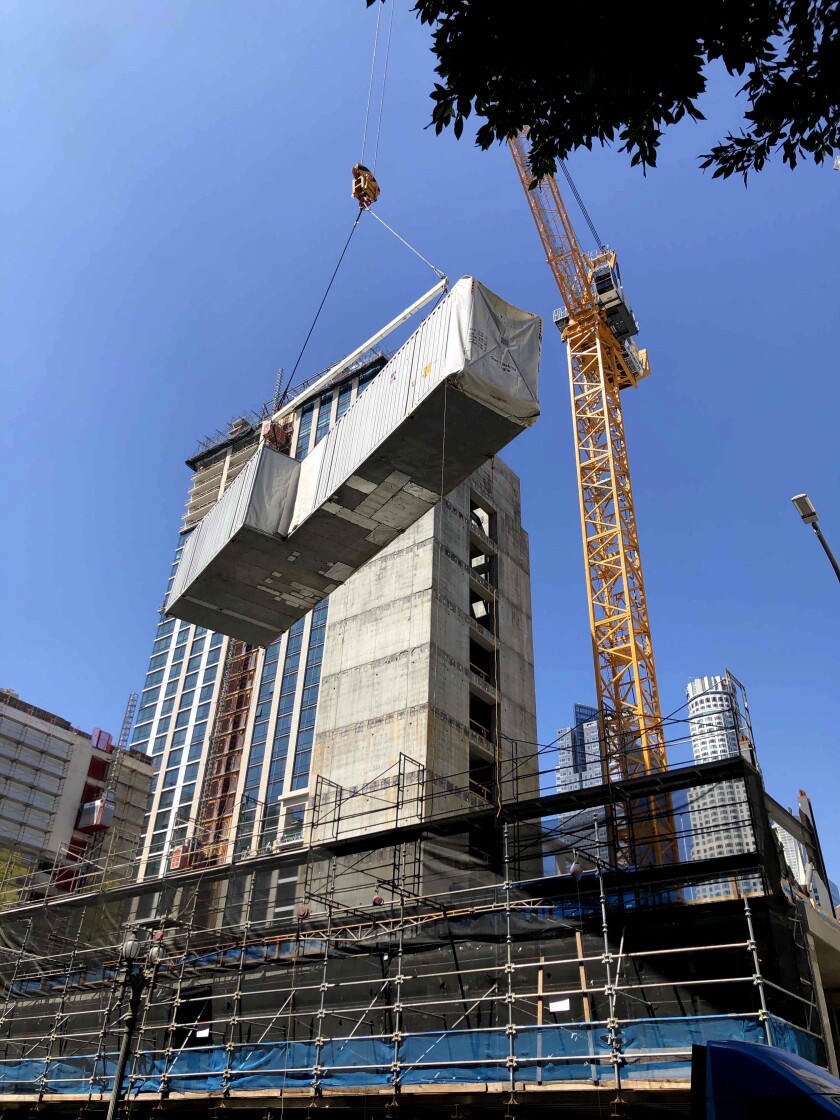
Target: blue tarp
{"x":654,"y":1049}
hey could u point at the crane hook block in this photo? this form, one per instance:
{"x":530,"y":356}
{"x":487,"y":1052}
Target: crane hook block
{"x":365,"y":186}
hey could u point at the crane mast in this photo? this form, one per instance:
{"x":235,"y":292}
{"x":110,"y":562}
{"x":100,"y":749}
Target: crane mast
{"x":597,"y":326}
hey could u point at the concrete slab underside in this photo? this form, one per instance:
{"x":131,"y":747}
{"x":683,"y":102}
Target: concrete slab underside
{"x":259,"y":585}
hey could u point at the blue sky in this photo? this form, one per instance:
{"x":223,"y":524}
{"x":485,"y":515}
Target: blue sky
{"x":177,"y":196}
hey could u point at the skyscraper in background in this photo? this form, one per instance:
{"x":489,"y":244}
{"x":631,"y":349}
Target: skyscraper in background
{"x":408,"y":692}
{"x":719,"y":818}
{"x":579,"y":766}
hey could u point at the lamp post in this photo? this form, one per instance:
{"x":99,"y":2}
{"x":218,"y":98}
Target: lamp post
{"x":805,"y":508}
{"x":135,"y":981}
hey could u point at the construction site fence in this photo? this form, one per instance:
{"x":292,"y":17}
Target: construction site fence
{"x":648,"y":1049}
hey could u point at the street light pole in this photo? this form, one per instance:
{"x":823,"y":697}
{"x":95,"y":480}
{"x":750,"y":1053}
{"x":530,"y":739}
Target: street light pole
{"x":805,"y":508}
{"x":136,"y":981}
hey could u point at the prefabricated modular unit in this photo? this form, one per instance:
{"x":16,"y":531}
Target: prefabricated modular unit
{"x":285,"y":534}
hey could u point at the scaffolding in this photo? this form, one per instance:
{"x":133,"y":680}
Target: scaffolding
{"x":227,"y":742}
{"x":364,"y":965}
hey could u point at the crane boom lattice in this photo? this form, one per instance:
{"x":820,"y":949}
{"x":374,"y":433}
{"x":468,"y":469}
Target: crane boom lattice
{"x":596,"y":325}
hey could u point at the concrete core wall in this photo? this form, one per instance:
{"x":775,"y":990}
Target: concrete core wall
{"x":414,"y":690}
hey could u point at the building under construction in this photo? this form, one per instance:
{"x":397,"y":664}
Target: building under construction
{"x":478,"y":991}
{"x":341,"y":899}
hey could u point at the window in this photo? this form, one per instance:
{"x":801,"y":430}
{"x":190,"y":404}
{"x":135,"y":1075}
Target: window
{"x":280,"y":744}
{"x":142,"y":731}
{"x":294,"y":823}
{"x":146,"y":712}
{"x":162,"y":820}
{"x":158,"y":843}
{"x":366,"y":379}
{"x":186,"y":795}
{"x":344,"y":395}
{"x":309,"y":702}
{"x":199,"y":731}
{"x":304,"y":432}
{"x":324,"y":416}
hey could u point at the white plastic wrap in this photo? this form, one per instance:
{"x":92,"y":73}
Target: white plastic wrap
{"x":478,"y":343}
{"x":285,"y":534}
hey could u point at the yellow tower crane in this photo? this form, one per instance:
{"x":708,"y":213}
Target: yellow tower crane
{"x":597,"y":326}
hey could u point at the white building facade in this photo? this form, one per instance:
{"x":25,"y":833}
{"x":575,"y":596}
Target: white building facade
{"x":719,"y":815}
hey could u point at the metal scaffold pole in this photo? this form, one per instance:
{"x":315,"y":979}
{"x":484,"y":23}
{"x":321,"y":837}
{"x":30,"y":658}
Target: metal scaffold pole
{"x":613,"y":1026}
{"x":758,"y":979}
{"x":509,"y":970}
{"x":320,"y":1039}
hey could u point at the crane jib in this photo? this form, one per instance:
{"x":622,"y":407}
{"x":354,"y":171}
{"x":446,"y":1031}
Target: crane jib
{"x":598,"y":326}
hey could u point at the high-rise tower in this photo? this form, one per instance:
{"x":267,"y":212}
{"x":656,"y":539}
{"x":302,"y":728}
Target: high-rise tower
{"x":720,"y":820}
{"x":580,"y":765}
{"x":407,"y":693}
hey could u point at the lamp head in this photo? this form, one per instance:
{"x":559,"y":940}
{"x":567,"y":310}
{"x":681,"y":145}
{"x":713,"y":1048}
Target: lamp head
{"x":805,"y":508}
{"x":156,"y":953}
{"x":130,"y":948}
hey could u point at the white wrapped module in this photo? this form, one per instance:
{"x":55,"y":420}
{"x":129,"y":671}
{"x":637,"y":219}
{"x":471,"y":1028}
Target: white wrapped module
{"x":286,"y":534}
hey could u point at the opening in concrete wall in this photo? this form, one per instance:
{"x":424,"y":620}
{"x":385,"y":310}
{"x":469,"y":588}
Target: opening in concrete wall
{"x":483,"y":609}
{"x":482,"y":718}
{"x":482,"y":517}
